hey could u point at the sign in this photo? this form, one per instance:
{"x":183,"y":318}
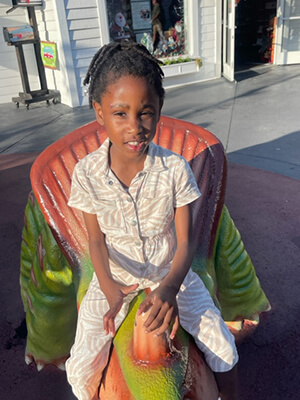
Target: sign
{"x":141,"y":15}
{"x":27,"y":3}
{"x":18,"y":33}
{"x":49,"y":54}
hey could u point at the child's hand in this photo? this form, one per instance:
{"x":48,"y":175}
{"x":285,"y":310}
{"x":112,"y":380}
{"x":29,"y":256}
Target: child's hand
{"x":164,"y":310}
{"x":115,"y":293}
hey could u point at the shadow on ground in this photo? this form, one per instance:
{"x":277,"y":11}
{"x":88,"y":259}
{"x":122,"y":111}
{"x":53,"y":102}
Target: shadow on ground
{"x":281,"y":156}
{"x":265,"y":207}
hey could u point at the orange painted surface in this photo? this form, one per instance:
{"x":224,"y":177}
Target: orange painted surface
{"x":146,"y":346}
{"x":113,"y":384}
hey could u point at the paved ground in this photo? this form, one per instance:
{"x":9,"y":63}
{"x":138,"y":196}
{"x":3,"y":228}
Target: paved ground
{"x":258,"y":120}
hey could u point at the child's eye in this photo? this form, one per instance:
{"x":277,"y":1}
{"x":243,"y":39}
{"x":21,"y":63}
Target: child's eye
{"x":119,"y":114}
{"x":146,"y":114}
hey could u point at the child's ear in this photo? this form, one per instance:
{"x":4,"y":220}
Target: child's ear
{"x":98,"y":112}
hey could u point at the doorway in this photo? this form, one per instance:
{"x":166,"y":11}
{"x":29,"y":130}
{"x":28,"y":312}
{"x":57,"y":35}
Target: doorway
{"x":255,"y":22}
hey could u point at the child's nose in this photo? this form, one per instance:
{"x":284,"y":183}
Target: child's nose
{"x":135,"y":126}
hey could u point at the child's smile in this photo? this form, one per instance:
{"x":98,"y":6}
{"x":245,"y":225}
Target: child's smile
{"x":136,"y":146}
{"x":130,"y":111}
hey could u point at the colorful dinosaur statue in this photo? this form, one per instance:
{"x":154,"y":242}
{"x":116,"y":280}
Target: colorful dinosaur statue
{"x":56,"y":268}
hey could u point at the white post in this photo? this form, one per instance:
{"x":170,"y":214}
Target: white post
{"x":67,"y":85}
{"x":104,"y":28}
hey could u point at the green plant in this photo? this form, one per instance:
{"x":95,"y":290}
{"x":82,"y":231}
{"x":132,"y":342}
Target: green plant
{"x":181,"y":59}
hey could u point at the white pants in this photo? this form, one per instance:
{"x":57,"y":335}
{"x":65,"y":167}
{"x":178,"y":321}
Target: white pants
{"x":198,"y":316}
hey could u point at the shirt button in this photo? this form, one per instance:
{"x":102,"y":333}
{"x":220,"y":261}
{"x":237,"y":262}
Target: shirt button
{"x":110,"y":182}
{"x":129,"y":199}
{"x":133,"y":223}
{"x":137,"y":243}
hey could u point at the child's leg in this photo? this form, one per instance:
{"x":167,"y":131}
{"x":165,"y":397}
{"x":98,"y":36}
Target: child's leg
{"x":199,"y":316}
{"x":90,"y":352}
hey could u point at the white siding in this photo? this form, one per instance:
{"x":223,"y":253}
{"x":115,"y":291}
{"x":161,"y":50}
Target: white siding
{"x":89,"y":13}
{"x":84,"y":32}
{"x":84,"y":44}
{"x":10,"y":80}
{"x":291,"y":35}
{"x":83,"y":24}
{"x":208,"y":40}
{"x":79,"y":4}
{"x":207,"y":23}
{"x":82,"y":63}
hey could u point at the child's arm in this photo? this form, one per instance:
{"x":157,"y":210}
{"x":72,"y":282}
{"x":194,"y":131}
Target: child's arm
{"x":163,"y":299}
{"x":114,"y":291}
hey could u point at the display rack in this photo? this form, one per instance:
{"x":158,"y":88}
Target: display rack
{"x":29,"y":96}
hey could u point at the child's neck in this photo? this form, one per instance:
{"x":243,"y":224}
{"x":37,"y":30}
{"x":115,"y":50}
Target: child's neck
{"x":126,"y":170}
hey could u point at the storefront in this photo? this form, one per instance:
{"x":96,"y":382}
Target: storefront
{"x":186,"y":29}
{"x":160,"y":26}
{"x":188,"y":41}
{"x":259,"y":31}
{"x":197,"y":40}
{"x":168,"y":28}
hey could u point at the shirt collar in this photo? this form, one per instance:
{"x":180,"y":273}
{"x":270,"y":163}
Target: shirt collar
{"x":153,"y":163}
{"x":102,"y":167}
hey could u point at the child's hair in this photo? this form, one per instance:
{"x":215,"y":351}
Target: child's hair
{"x":115,"y":60}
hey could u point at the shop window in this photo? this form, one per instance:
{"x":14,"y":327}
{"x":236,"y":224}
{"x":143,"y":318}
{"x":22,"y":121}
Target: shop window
{"x":159,"y":25}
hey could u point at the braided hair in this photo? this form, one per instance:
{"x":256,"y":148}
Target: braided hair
{"x":115,"y":60}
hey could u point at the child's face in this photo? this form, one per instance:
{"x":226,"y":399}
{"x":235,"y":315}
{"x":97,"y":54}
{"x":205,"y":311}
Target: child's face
{"x":129,"y":110}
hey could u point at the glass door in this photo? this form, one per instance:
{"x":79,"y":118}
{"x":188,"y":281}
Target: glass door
{"x":288,"y":32}
{"x":228,"y":38}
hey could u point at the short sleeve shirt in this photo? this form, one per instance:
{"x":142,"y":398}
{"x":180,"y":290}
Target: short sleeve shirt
{"x":138,"y":222}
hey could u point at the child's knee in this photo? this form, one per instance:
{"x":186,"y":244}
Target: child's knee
{"x":71,"y":369}
{"x":231,"y":358}
{"x":223,"y":360}
{"x":85,"y":369}
{"x":84,"y":384}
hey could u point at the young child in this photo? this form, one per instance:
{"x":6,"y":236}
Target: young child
{"x":136,"y":197}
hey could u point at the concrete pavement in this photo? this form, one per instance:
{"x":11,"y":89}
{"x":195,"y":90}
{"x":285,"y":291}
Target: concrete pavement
{"x":257,"y":118}
{"x":258,"y":121}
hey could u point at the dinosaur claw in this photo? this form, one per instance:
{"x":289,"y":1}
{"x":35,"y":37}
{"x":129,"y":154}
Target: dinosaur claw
{"x":28,"y":359}
{"x":61,"y":366}
{"x":39,"y":366}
